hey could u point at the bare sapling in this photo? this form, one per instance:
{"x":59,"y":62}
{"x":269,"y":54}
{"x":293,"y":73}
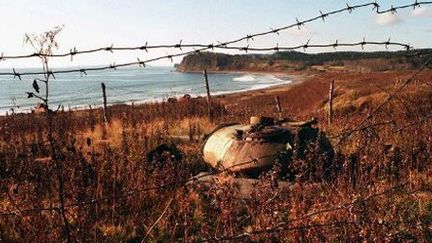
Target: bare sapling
{"x":43,"y":45}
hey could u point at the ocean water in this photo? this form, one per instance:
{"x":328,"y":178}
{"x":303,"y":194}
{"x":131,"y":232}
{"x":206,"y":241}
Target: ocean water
{"x":133,"y":85}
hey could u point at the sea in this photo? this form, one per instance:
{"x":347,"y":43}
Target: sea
{"x":124,"y":86}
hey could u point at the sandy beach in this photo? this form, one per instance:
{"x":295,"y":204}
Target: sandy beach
{"x":273,"y":90}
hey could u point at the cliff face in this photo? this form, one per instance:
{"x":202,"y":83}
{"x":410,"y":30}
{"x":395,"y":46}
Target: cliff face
{"x":222,"y":62}
{"x":295,"y":61}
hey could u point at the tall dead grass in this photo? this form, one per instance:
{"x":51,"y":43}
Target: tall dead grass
{"x":106,"y":162}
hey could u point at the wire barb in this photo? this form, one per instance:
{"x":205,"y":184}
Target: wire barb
{"x":113,"y":66}
{"x":276,"y":31}
{"x":387,"y":43}
{"x":416,"y":4}
{"x":72,"y":53}
{"x":170,"y":57}
{"x":363,"y":43}
{"x":376,"y":6}
{"x":179,"y":45}
{"x":246,"y":48}
{"x":51,"y":73}
{"x":323,"y":16}
{"x":299,"y":23}
{"x":141,"y":63}
{"x":83,"y":71}
{"x":305,"y":46}
{"x":349,"y":8}
{"x":144,"y":47}
{"x":336,"y":44}
{"x":222,"y":44}
{"x":110,"y":49}
{"x":16,"y":75}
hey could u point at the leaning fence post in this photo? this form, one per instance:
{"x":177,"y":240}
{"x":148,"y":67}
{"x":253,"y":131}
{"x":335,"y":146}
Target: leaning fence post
{"x":330,"y":110}
{"x":105,"y":115}
{"x":209,"y":106}
{"x":278,"y":106}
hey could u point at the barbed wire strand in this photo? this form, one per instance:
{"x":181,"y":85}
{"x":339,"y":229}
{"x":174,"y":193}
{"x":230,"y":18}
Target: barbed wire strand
{"x":322,"y":16}
{"x":208,"y":47}
{"x":285,"y":226}
{"x":298,"y":24}
{"x":142,"y":63}
{"x":174,"y":184}
{"x":293,"y":228}
{"x":344,"y":135}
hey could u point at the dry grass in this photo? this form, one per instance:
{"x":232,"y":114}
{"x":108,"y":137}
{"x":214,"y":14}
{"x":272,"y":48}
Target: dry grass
{"x":107,"y":161}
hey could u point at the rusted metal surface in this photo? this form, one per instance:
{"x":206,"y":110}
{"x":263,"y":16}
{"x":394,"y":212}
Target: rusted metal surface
{"x":246,"y":147}
{"x":260,"y":144}
{"x":219,"y":144}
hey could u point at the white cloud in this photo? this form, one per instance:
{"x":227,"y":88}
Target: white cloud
{"x":387,"y":19}
{"x":422,"y":12}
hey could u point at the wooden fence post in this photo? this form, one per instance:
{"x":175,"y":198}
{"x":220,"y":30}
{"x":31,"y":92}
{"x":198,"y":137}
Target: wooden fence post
{"x":278,"y":106}
{"x":105,"y":115}
{"x":330,"y":111}
{"x":191,"y":131}
{"x":210,"y":115}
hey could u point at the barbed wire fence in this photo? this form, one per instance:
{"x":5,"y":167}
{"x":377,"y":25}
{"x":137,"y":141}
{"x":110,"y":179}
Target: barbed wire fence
{"x":286,"y":226}
{"x":410,"y":52}
{"x":146,"y":47}
{"x":228,"y":46}
{"x":221,"y":45}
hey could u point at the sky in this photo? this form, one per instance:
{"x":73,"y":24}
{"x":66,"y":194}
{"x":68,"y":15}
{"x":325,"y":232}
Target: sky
{"x":98,"y":23}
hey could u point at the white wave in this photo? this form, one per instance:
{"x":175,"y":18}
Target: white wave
{"x":260,"y":86}
{"x":253,"y":87}
{"x":245,"y":78}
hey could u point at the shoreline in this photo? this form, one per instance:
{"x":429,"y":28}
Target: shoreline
{"x":233,"y":98}
{"x":288,"y":79}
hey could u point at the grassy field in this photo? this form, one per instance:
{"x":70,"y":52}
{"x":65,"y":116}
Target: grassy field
{"x":377,"y":189}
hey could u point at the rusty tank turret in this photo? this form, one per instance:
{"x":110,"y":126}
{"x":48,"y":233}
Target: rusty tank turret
{"x":259,"y":145}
